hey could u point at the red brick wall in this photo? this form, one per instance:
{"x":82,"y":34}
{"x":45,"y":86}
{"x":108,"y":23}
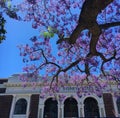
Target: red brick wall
{"x":34,"y":102}
{"x":5,"y":105}
{"x":108,"y":103}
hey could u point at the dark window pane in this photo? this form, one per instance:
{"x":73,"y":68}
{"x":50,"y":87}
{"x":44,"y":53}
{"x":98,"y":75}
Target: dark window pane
{"x":2,"y":90}
{"x":51,"y":109}
{"x":91,"y":108}
{"x":20,"y":106}
{"x":118,"y":105}
{"x":70,"y":108}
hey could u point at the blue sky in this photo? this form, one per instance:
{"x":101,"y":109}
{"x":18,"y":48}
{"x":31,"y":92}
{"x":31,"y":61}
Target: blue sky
{"x":17,"y":33}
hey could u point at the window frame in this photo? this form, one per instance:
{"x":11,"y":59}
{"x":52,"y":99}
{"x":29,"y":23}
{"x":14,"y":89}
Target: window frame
{"x":23,"y":109}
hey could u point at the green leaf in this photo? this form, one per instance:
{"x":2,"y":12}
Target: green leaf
{"x":50,"y":29}
{"x":9,"y":4}
{"x":51,"y":35}
{"x":53,"y":30}
{"x":45,"y":34}
{"x":48,"y":34}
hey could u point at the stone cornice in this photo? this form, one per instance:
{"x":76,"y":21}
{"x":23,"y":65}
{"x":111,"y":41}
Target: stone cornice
{"x":39,"y":84}
{"x":21,"y":84}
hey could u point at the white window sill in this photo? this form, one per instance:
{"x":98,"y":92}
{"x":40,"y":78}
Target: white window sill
{"x":19,"y":116}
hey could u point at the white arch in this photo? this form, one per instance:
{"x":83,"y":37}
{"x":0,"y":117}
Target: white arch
{"x":69,"y":96}
{"x":99,"y":101}
{"x":21,"y":97}
{"x":48,"y":97}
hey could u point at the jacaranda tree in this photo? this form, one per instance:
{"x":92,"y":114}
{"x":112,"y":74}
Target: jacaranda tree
{"x":10,"y":10}
{"x":78,"y":43}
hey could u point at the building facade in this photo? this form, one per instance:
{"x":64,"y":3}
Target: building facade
{"x":17,"y":101}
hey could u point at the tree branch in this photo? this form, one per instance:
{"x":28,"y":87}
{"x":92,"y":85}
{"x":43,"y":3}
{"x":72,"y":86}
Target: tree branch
{"x":108,"y":25}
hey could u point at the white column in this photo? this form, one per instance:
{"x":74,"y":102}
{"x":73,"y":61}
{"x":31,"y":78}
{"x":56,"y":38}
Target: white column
{"x":62,"y":110}
{"x":101,"y":111}
{"x":40,"y":110}
{"x":12,"y":106}
{"x":78,"y":109}
{"x":101,"y":107}
{"x":28,"y":106}
{"x":59,"y":110}
{"x":81,"y":110}
{"x":115,"y":106}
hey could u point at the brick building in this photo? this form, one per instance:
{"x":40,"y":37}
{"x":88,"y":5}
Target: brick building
{"x":17,"y":101}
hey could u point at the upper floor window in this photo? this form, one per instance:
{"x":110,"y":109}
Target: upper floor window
{"x":20,"y":106}
{"x":118,"y":105}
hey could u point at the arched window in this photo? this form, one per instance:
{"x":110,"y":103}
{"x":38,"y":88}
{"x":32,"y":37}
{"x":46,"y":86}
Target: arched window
{"x":20,"y":106}
{"x":70,"y":108}
{"x":91,"y":108}
{"x":118,"y":105}
{"x":51,"y":108}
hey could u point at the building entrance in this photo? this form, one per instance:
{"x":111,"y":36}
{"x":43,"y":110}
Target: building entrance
{"x":70,"y":108}
{"x":91,"y":108}
{"x":51,"y":109}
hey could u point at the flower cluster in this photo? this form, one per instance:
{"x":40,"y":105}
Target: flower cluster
{"x":67,"y":63}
